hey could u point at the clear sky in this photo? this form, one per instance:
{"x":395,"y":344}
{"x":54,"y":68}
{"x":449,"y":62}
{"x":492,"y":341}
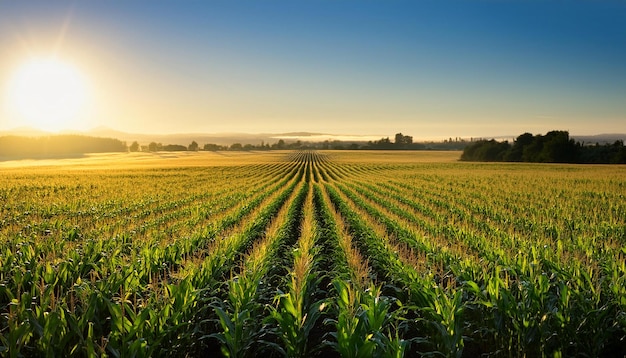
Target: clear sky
{"x":426,"y":68}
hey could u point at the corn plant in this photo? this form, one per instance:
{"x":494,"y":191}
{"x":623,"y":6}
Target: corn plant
{"x":238,"y":317}
{"x":365,"y":327}
{"x":296,"y":317}
{"x":446,"y":316}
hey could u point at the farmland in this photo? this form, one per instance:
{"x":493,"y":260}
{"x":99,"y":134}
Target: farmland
{"x":301,"y":253}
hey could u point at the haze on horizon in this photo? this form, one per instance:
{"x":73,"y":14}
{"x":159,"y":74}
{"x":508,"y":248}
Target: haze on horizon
{"x":428,"y":68}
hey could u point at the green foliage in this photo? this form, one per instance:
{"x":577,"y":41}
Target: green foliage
{"x":365,"y":325}
{"x":238,"y":317}
{"x":307,"y":253}
{"x":446,"y":316}
{"x":553,"y":147}
{"x":296,"y":317}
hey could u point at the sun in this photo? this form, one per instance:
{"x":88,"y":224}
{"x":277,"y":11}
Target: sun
{"x":48,"y":94}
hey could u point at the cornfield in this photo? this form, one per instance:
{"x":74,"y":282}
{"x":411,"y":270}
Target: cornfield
{"x":298,"y":254}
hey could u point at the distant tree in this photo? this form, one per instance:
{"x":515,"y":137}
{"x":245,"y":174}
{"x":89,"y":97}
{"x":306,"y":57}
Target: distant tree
{"x":486,"y":151}
{"x":236,"y":146}
{"x":279,"y":145}
{"x":553,"y":147}
{"x":403,"y":141}
{"x":134,"y":147}
{"x":154,"y":146}
{"x":295,"y":145}
{"x":558,"y":148}
{"x":193,"y":146}
{"x":532,"y":151}
{"x":383,"y":143}
{"x":517,"y":151}
{"x":212,"y":147}
{"x":174,"y":148}
{"x":607,"y":154}
{"x":618,"y":155}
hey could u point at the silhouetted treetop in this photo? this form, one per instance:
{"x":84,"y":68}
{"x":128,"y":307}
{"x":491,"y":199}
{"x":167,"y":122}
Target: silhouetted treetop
{"x":553,"y":147}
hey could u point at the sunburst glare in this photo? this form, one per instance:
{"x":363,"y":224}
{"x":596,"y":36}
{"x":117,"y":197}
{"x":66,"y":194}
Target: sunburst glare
{"x":49,"y":94}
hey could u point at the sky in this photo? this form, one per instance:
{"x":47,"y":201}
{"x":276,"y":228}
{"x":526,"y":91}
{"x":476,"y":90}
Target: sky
{"x":430,"y":69}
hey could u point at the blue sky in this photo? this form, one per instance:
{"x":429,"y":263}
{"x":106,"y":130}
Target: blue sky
{"x":432,"y":69}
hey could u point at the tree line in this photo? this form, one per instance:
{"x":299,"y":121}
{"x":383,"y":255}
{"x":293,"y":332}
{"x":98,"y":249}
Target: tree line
{"x":553,"y":147}
{"x":194,"y":146}
{"x":71,"y":145}
{"x":400,"y":142}
{"x":58,"y":145}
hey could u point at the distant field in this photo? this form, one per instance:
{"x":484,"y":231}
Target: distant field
{"x":225,"y":158}
{"x":148,"y":159}
{"x":334,"y":253}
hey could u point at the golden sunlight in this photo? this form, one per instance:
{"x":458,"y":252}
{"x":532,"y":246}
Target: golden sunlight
{"x":48,"y":94}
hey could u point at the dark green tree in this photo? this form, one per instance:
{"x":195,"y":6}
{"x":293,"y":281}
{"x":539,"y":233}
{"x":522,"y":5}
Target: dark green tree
{"x":134,"y":147}
{"x":403,"y":140}
{"x":558,"y":148}
{"x":154,"y":146}
{"x":516,"y":152}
